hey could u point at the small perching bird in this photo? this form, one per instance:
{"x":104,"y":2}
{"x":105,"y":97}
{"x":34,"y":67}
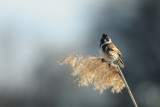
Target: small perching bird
{"x":109,"y":51}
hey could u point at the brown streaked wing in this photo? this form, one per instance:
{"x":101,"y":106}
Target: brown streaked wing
{"x":114,"y":48}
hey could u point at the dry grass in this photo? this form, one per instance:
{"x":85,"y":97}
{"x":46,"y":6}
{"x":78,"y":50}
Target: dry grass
{"x":91,"y":70}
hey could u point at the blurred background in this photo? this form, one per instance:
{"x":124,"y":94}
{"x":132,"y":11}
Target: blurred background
{"x":36,"y":34}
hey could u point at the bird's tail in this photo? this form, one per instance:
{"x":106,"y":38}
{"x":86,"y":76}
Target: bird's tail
{"x":120,"y":62}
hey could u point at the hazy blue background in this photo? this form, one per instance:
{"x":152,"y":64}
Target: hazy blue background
{"x":36,"y":34}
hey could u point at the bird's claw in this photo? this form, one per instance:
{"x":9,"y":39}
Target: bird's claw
{"x":102,"y":60}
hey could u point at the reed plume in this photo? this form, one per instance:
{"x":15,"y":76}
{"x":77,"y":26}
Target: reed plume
{"x":92,"y":70}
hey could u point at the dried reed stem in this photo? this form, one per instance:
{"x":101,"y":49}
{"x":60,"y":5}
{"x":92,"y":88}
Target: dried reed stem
{"x":129,"y":91}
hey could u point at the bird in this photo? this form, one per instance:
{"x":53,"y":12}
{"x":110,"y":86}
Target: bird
{"x":109,"y":51}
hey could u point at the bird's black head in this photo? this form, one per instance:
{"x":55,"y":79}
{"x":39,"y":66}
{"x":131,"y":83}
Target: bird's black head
{"x":105,"y":40}
{"x":105,"y":36}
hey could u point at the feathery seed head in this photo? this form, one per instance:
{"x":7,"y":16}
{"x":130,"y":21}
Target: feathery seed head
{"x":91,"y":70}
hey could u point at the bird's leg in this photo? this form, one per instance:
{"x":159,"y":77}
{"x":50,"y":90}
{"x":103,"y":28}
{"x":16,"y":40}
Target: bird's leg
{"x":109,"y":65}
{"x":102,"y":60}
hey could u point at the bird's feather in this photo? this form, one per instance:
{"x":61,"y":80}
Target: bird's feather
{"x":114,"y":48}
